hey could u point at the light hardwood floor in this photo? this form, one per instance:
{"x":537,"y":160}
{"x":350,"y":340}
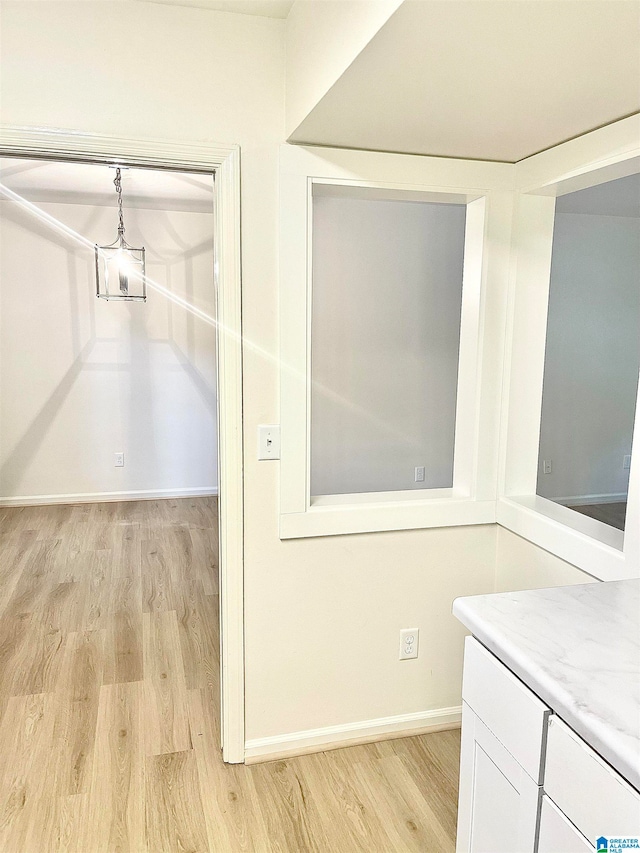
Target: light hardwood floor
{"x":109,"y":691}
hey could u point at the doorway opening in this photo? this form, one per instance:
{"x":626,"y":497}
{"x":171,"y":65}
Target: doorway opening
{"x":90,"y":384}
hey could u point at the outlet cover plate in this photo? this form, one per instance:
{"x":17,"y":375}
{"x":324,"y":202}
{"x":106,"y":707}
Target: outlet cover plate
{"x":409,"y":641}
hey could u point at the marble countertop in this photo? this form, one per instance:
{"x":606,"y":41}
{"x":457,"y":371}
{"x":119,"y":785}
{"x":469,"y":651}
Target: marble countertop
{"x":578,"y":649}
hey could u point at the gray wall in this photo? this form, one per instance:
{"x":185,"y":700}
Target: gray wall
{"x":387,"y":284}
{"x":593,"y":343}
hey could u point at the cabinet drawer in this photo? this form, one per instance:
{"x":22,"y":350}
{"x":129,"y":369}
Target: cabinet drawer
{"x":557,"y":834}
{"x":590,"y":793}
{"x":510,"y":710}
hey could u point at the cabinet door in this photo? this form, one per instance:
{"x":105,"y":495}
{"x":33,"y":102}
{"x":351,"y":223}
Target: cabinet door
{"x":499,"y":802}
{"x":593,"y":796}
{"x":557,"y":834}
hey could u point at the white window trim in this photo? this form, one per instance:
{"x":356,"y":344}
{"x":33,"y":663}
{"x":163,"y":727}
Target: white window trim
{"x":604,"y":155}
{"x":487,"y":189}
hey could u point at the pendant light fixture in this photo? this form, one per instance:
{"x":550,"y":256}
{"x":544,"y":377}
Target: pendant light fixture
{"x":120,"y":268}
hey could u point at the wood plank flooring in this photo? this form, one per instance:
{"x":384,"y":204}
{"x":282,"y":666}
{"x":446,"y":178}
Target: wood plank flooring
{"x":613,"y":514}
{"x":109,"y":718}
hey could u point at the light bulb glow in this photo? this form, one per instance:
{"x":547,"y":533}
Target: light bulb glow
{"x":124,"y":266}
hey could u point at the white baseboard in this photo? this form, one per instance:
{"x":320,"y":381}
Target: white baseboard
{"x":350,"y":734}
{"x":587,"y":500}
{"x":104,"y":497}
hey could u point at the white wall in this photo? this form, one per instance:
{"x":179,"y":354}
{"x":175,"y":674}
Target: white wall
{"x":82,"y":379}
{"x":387,"y":295}
{"x":323,"y":37}
{"x":592,"y":356}
{"x":489,"y":80}
{"x":193,"y":75}
{"x":521,"y":565}
{"x":312,"y":589}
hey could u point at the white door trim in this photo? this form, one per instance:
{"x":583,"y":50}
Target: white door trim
{"x":224,"y":161}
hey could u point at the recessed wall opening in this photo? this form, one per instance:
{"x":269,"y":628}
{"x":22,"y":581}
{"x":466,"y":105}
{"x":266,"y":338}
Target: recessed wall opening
{"x":592,"y":351}
{"x":387,"y":271}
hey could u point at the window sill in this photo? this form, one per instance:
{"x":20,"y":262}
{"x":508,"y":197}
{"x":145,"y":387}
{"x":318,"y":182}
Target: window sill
{"x":388,"y":498}
{"x":592,"y":546}
{"x":339,"y":515}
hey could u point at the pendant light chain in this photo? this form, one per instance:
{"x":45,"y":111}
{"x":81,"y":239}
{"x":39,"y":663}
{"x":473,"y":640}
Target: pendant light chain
{"x":118,"y":185}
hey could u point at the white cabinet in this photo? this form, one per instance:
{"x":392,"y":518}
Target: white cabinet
{"x":510,"y":710}
{"x":498,"y":805}
{"x":595,"y":798}
{"x":528,"y":782}
{"x":558,"y":834}
{"x":503,"y":730}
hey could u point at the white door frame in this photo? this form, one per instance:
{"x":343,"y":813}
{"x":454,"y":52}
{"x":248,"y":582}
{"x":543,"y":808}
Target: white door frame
{"x":224,"y":162}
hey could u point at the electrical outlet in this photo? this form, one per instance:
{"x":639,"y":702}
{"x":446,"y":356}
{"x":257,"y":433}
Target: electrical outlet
{"x":119,"y":460}
{"x":409,"y":638}
{"x":268,"y":441}
{"x":419,"y":474}
{"x":547,"y":466}
{"x":626,"y":462}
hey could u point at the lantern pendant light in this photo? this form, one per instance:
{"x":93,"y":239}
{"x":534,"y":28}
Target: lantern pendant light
{"x":120,"y":268}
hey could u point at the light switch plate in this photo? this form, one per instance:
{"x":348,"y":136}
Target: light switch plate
{"x":269,"y":441}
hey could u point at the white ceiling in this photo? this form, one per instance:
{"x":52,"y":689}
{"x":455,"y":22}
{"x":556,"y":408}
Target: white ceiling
{"x":614,"y":198}
{"x":86,"y":183}
{"x":262,"y":8}
{"x":486,"y":79}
